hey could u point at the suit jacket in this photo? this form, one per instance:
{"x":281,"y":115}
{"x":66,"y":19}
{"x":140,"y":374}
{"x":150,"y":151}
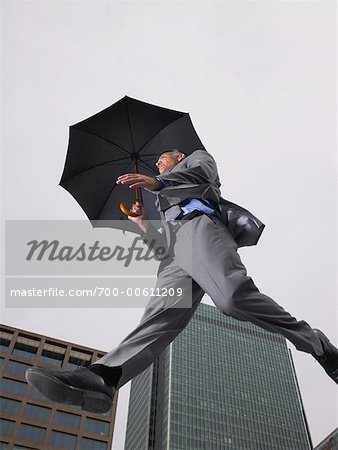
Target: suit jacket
{"x":196,"y":176}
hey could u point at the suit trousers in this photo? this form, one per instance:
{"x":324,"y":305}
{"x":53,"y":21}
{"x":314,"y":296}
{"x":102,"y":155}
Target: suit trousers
{"x":211,"y":265}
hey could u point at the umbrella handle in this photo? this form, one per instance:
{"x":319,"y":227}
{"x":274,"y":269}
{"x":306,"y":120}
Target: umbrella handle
{"x":124,"y":209}
{"x":123,"y":206}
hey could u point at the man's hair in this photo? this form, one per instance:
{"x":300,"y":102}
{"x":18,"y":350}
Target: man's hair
{"x":174,"y":150}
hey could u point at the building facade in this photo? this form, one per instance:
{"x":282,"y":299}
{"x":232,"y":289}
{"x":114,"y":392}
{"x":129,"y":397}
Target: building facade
{"x":222,"y":384}
{"x":330,"y":442}
{"x":31,"y":422}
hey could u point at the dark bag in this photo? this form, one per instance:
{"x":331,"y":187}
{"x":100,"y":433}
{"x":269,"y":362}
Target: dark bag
{"x":243,"y":225}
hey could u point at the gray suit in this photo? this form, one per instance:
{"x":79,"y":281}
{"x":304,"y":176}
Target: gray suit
{"x":212,"y":265}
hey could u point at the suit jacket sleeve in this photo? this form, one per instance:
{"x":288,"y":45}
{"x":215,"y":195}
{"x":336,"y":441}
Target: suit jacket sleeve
{"x":201,"y":168}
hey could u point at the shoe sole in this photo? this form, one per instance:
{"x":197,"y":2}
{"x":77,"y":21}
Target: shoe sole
{"x":57,"y":391}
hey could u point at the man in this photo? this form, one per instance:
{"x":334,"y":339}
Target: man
{"x":187,"y":188}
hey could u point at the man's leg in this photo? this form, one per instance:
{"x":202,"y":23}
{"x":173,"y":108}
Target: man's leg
{"x":164,"y":318}
{"x":218,"y":269}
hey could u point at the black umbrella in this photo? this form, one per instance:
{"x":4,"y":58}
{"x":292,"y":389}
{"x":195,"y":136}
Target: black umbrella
{"x":126,"y":137}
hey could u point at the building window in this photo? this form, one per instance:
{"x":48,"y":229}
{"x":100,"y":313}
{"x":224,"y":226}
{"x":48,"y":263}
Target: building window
{"x":78,"y":358}
{"x":13,"y":386}
{"x":97,"y":426}
{"x":62,"y":440}
{"x":24,"y":350}
{"x":18,"y":447}
{"x":9,"y":406}
{"x":67,"y":420}
{"x":74,"y":363}
{"x":50,"y":357}
{"x":6,"y":427}
{"x":37,"y":412}
{"x":4,"y":344}
{"x":31,"y":433}
{"x":17,"y":368}
{"x":4,"y":446}
{"x":5,"y":340}
{"x":91,"y":444}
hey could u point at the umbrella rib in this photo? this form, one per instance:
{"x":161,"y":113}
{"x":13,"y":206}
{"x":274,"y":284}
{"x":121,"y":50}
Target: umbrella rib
{"x":149,"y":154}
{"x":105,"y":139}
{"x":129,"y":124}
{"x":111,"y":190}
{"x":97,"y":165}
{"x":184,"y":114}
{"x":141,"y":162}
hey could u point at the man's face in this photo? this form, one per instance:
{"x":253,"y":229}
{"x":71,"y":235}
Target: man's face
{"x":168,"y":160}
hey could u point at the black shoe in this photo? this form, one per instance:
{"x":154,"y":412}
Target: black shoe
{"x":329,"y":360}
{"x":80,"y":387}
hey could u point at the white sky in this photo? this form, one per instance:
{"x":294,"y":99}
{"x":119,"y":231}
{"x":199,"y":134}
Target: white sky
{"x":259,"y":79}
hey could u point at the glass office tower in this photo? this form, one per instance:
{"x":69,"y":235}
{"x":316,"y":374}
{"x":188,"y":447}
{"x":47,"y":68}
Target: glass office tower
{"x":31,"y":422}
{"x":222,"y":384}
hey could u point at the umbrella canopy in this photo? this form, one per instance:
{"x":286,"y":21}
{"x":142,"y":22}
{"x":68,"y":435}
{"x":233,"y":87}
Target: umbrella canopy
{"x":109,"y":144}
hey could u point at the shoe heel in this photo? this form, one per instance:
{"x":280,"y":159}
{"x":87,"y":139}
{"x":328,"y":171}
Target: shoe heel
{"x":96,"y":402}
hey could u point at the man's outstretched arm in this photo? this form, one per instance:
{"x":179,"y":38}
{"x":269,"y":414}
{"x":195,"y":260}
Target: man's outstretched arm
{"x":201,"y":169}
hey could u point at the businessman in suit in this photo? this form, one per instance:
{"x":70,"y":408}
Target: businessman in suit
{"x":192,"y":211}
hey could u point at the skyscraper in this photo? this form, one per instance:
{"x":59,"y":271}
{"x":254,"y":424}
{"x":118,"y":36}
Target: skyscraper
{"x":222,"y":384}
{"x":31,"y":422}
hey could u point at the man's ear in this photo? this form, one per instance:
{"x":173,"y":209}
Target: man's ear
{"x":181,"y":156}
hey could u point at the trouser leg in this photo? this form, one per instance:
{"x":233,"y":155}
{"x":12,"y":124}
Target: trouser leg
{"x":218,"y":269}
{"x":164,"y":318}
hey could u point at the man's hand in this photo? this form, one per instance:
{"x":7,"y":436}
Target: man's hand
{"x":135,"y":180}
{"x":142,"y":219}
